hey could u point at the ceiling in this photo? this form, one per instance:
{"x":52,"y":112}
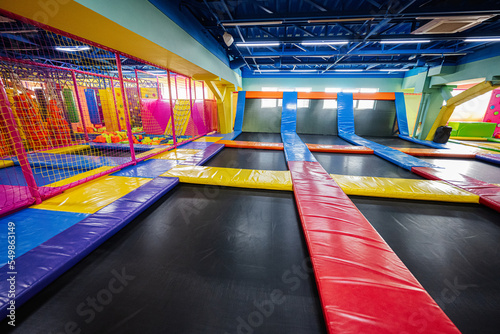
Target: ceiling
{"x":324,"y":36}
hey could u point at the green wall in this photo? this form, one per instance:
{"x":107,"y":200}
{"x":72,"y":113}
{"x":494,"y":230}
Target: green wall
{"x":318,"y":84}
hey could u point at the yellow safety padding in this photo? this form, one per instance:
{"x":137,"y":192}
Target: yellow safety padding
{"x":68,"y":149}
{"x":79,"y":177}
{"x":177,"y":154}
{"x":232,"y":177}
{"x":94,"y":195}
{"x":426,"y":190}
{"x":209,"y":139}
{"x":470,"y":138}
{"x":153,"y":151}
{"x":6,"y":163}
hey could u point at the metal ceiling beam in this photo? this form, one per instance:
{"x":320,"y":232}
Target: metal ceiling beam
{"x":353,"y":53}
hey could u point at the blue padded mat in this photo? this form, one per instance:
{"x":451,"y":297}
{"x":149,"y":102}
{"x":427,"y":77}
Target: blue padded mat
{"x":150,"y":168}
{"x":14,"y":175}
{"x":33,"y":227}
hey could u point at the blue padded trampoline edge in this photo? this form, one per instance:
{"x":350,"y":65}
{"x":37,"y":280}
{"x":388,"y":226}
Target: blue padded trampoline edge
{"x":31,"y":282}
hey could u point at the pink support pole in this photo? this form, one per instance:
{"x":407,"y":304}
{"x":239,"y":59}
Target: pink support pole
{"x":127,"y":118}
{"x":75,"y":85}
{"x":116,"y":105}
{"x":172,"y":119}
{"x":158,"y":87}
{"x":191,"y":97}
{"x":6,"y":111}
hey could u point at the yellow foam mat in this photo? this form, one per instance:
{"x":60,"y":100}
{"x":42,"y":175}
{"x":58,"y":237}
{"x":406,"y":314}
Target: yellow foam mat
{"x":352,"y":185}
{"x":209,"y":139}
{"x":153,"y":151}
{"x":94,"y":195}
{"x":427,"y":190}
{"x":79,"y":177}
{"x":177,"y":154}
{"x":69,"y":149}
{"x":232,"y":177}
{"x":6,"y":163}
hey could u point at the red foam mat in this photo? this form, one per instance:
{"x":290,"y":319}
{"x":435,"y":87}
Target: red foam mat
{"x":364,"y":287}
{"x":489,"y":194}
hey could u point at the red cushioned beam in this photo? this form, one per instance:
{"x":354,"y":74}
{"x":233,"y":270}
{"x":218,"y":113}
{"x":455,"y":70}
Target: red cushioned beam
{"x":364,"y":286}
{"x":488,"y":193}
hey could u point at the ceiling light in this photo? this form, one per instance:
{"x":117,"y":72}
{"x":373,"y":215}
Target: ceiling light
{"x":394,"y":69}
{"x":263,"y":71}
{"x":408,"y":41}
{"x":304,"y":71}
{"x":482,"y":40}
{"x":341,"y":20}
{"x":349,"y":70}
{"x":325,"y":43}
{"x":258,"y":44}
{"x":75,"y":48}
{"x":253,"y":23}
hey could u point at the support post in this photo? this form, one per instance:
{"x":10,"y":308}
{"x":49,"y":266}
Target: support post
{"x":172,"y":119}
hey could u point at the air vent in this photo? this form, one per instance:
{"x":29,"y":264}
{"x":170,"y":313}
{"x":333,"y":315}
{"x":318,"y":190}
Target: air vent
{"x":450,"y":24}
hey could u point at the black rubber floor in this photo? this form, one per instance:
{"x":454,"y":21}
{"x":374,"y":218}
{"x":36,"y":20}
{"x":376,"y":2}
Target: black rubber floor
{"x":394,"y":142}
{"x":480,"y":170}
{"x":261,"y":137}
{"x":452,"y":249}
{"x":202,"y":260}
{"x":323,"y":139}
{"x":361,"y":165}
{"x":249,"y":159}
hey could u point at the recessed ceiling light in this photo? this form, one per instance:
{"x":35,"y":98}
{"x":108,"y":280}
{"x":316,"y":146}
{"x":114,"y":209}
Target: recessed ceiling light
{"x":75,"y":48}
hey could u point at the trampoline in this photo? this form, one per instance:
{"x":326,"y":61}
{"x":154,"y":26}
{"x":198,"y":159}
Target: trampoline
{"x":261,"y":137}
{"x":393,"y":142}
{"x":201,"y":258}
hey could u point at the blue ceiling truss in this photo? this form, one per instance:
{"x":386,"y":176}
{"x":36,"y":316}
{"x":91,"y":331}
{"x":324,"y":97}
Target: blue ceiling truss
{"x":366,"y":27}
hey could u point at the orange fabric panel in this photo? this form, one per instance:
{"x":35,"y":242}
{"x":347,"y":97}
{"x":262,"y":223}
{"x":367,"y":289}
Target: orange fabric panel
{"x":317,"y":95}
{"x":374,"y":96}
{"x":264,"y":95}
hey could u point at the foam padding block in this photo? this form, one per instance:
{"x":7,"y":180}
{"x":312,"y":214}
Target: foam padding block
{"x":363,"y":285}
{"x":489,"y":194}
{"x":492,"y":158}
{"x":177,"y":154}
{"x":43,"y":264}
{"x":339,"y":149}
{"x":150,"y":168}
{"x":295,"y":149}
{"x":401,"y":113}
{"x":240,"y":111}
{"x":79,"y":177}
{"x":425,"y":190}
{"x":195,"y":145}
{"x":252,"y":144}
{"x":33,"y":227}
{"x":430,"y":152}
{"x":6,"y":163}
{"x":68,"y":149}
{"x":94,"y":195}
{"x":203,"y":156}
{"x":208,"y":139}
{"x":232,"y":177}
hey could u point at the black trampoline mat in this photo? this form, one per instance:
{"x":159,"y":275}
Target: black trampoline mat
{"x":361,"y":165}
{"x":323,"y":139}
{"x":261,"y":137}
{"x":249,"y":159}
{"x":394,"y":142}
{"x":452,"y":249}
{"x":477,"y":169}
{"x":202,"y":260}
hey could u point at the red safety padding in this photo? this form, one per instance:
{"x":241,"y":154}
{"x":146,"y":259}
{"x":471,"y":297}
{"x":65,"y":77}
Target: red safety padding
{"x":251,"y":144}
{"x":489,"y":194}
{"x":363,"y":285}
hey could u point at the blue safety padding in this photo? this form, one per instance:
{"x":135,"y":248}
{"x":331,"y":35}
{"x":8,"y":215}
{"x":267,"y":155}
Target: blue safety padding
{"x":92,"y":106}
{"x":14,"y":175}
{"x":289,"y":112}
{"x":42,"y":265}
{"x":424,"y":142}
{"x":226,"y":136}
{"x":492,"y":158}
{"x":396,"y":157}
{"x":150,"y":168}
{"x":73,"y":161}
{"x":240,"y":111}
{"x":235,"y":134}
{"x":195,"y":145}
{"x":345,"y":113}
{"x":202,"y":157}
{"x":401,"y":114}
{"x":33,"y":227}
{"x":295,"y":149}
